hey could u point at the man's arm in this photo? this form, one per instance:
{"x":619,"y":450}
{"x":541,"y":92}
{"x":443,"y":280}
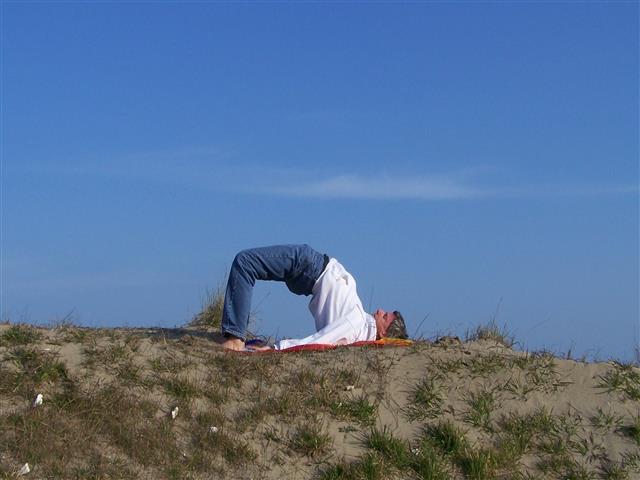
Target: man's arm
{"x":341,"y":332}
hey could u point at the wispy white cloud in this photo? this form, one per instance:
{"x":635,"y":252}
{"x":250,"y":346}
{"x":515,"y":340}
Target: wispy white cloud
{"x":459,"y":185}
{"x":380,"y":187}
{"x":220,"y":169}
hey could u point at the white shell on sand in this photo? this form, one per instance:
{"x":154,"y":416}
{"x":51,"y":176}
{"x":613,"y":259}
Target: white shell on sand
{"x":24,"y":470}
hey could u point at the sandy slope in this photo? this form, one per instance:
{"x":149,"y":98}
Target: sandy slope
{"x":259,"y":404}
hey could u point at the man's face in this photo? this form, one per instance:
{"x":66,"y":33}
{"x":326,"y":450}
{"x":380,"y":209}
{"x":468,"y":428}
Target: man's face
{"x":383,"y":320}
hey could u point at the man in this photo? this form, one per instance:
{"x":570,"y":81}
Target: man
{"x":339,"y":316}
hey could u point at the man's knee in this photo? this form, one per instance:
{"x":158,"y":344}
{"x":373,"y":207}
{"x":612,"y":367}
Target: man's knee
{"x":243,"y":263}
{"x":241,"y":258}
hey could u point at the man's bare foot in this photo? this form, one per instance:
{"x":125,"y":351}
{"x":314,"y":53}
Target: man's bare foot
{"x":231,"y":343}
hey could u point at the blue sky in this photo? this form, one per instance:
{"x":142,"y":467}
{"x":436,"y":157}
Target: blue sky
{"x":462,"y":160}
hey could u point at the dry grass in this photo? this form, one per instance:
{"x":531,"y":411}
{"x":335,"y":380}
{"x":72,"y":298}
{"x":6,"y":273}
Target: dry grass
{"x":211,"y":314}
{"x":491,"y":331}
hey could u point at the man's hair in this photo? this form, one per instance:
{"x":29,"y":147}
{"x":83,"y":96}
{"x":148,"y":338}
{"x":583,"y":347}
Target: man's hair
{"x":397,"y":329}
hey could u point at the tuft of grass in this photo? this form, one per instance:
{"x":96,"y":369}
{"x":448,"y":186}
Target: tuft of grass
{"x":483,"y":365}
{"x":575,"y":471}
{"x":481,"y":405}
{"x":36,"y":367}
{"x":520,"y":431}
{"x":181,"y":388}
{"x":378,"y":364}
{"x":613,"y":471}
{"x":211,"y":314}
{"x":427,"y":464}
{"x":538,"y":373}
{"x":391,"y":448}
{"x":315,"y":389}
{"x":623,"y":378}
{"x":446,"y":367}
{"x":509,"y":450}
{"x":113,"y":357}
{"x":252,"y":415}
{"x":238,"y":452}
{"x":233,"y":370}
{"x":633,"y":430}
{"x":346,"y":376}
{"x":448,"y":438}
{"x":631,"y":461}
{"x":491,"y":331}
{"x":340,"y":471}
{"x":19,"y":334}
{"x":210,"y":444}
{"x":369,"y":467}
{"x":99,"y":465}
{"x":588,"y":447}
{"x":425,"y":400}
{"x":478,"y":464}
{"x":286,"y":403}
{"x":70,"y":332}
{"x":358,"y":409}
{"x":169,"y":364}
{"x":606,"y":421}
{"x":310,"y":438}
{"x":372,"y":467}
{"x":541,"y":372}
{"x":129,"y":373}
{"x":75,"y":334}
{"x":555,"y":446}
{"x":216,"y":394}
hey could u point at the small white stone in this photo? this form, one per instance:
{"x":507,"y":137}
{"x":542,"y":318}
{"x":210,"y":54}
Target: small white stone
{"x":174,"y":413}
{"x":24,"y":470}
{"x":213,"y":429}
{"x":349,"y":388}
{"x":38,"y":400}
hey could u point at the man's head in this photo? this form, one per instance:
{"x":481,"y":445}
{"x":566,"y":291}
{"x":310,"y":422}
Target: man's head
{"x":390,"y":324}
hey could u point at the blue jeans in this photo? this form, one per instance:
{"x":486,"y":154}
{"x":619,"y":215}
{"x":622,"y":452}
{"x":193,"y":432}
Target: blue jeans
{"x":299,"y":266}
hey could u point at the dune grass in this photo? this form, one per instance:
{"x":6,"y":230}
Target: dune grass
{"x":491,"y":331}
{"x":623,"y":378}
{"x":19,"y":334}
{"x":211,"y":314}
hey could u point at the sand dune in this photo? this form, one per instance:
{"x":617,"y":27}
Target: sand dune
{"x":440,"y":410}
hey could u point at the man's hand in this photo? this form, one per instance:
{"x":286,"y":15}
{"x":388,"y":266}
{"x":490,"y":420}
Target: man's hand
{"x":266,"y":348}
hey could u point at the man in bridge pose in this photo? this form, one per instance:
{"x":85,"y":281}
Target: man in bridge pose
{"x":339,"y":316}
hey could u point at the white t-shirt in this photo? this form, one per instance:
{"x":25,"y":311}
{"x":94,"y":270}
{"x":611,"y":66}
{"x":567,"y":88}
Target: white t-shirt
{"x":337,"y":310}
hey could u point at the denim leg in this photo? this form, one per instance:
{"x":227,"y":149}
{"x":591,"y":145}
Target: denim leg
{"x":297,"y":265}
